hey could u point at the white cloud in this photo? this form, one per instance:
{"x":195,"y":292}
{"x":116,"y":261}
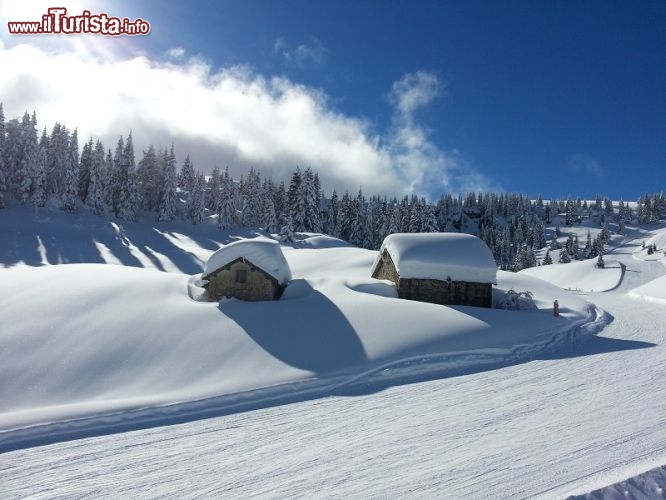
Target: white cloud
{"x":425,"y":167}
{"x":232,"y":117}
{"x":580,"y":163}
{"x":414,"y":91}
{"x":303,"y":54}
{"x":177,"y":53}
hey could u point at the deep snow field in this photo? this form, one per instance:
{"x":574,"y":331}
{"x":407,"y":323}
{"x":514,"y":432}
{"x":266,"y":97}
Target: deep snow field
{"x":338,"y":389}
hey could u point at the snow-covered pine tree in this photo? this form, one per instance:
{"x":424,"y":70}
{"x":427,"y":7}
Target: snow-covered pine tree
{"x":226,"y":217}
{"x":116,"y":180}
{"x":251,"y":198}
{"x":109,"y":175}
{"x":331,"y":225}
{"x":309,"y":196}
{"x":149,"y":180}
{"x":296,"y":201}
{"x":570,"y":212}
{"x":600,"y":261}
{"x":28,"y":160}
{"x":197,"y":199}
{"x":524,"y":258}
{"x":587,"y":251}
{"x":346,"y":216}
{"x":608,"y":207}
{"x":394,"y":218}
{"x":17,"y":167}
{"x":280,"y":203}
{"x":286,"y":234}
{"x":187,"y":176}
{"x":213,"y":191}
{"x":368,"y":240}
{"x":416,"y":217}
{"x":70,"y":186}
{"x":429,"y":219}
{"x":268,"y":219}
{"x":129,"y":195}
{"x":95,"y":196}
{"x":40,"y":184}
{"x":357,"y":229}
{"x":575,"y":249}
{"x":538,"y":234}
{"x":564,"y":257}
{"x":604,"y":235}
{"x":547,"y":260}
{"x":568,"y":246}
{"x":57,"y":160}
{"x":85,"y":167}
{"x":168,"y":204}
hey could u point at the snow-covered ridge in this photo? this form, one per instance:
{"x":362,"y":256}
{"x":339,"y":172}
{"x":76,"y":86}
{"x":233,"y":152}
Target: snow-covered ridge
{"x":441,"y":256}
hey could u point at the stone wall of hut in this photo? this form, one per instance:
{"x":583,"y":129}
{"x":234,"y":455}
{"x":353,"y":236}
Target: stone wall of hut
{"x":385,"y":268}
{"x":435,"y":291}
{"x":446,"y":292}
{"x":258,"y":284}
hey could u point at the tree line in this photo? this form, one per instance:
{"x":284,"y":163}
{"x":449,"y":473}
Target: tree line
{"x":51,"y":169}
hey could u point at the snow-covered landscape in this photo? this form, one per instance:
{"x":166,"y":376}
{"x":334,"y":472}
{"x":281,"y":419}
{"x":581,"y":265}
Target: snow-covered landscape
{"x":359,"y":250}
{"x":113,"y":374}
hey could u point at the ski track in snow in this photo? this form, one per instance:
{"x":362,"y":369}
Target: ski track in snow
{"x":568,"y":422}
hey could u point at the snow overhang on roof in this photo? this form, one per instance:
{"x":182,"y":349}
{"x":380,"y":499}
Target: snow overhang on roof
{"x":264,"y":253}
{"x":440,"y":256}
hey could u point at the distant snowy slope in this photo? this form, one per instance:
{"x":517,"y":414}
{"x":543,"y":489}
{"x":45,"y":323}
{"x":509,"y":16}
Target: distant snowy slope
{"x":581,"y":276}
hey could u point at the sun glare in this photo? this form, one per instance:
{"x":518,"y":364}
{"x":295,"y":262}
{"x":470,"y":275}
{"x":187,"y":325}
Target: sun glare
{"x":18,"y":10}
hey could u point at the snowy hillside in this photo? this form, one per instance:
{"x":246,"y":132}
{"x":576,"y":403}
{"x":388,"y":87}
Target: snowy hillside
{"x":353,"y":392}
{"x":581,"y":276}
{"x":117,"y":338}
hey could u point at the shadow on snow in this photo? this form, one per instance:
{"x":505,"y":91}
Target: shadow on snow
{"x":329,"y":346}
{"x":335,"y":347}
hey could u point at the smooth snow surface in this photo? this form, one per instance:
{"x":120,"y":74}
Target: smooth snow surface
{"x":441,"y":256}
{"x":654,"y":291}
{"x":580,"y":276}
{"x":563,"y":414}
{"x":262,"y":252}
{"x":117,"y":338}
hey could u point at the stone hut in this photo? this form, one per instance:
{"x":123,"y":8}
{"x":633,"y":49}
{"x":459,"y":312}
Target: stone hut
{"x":442,"y":268}
{"x":252,"y":269}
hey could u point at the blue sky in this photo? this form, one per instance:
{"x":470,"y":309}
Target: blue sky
{"x":556,"y":98}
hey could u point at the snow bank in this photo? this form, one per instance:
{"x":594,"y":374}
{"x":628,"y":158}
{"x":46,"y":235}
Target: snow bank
{"x":442,"y":256}
{"x":650,"y":484}
{"x":653,"y":291}
{"x":262,"y":252}
{"x":582,"y":276}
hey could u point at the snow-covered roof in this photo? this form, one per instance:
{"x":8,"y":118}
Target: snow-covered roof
{"x":458,"y":256}
{"x":264,"y":253}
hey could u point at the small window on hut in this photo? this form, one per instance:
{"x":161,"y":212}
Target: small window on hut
{"x":241,"y":275}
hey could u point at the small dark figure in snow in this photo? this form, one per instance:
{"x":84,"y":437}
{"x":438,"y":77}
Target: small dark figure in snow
{"x":650,"y":250}
{"x":556,"y":308}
